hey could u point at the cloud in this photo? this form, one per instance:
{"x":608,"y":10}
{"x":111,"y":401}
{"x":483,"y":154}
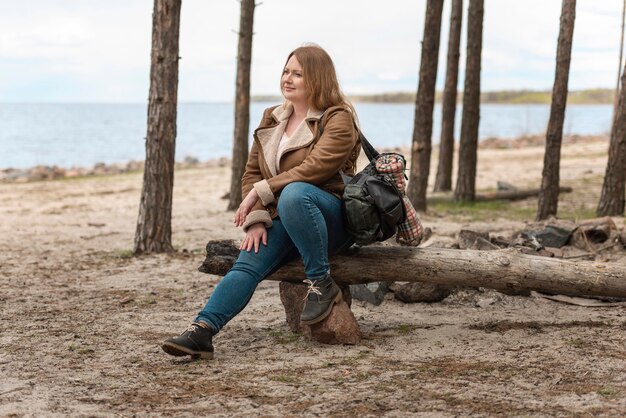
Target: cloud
{"x":100,"y":50}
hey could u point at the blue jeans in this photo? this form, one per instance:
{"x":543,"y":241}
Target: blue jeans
{"x":310,"y":225}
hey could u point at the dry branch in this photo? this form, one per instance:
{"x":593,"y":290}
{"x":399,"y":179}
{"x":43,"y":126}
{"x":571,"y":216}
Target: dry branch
{"x":515,"y":194}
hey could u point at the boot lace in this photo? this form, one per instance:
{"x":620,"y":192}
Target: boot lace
{"x":192,"y":328}
{"x":312,"y":288}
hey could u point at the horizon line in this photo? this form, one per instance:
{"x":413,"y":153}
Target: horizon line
{"x":258,"y":98}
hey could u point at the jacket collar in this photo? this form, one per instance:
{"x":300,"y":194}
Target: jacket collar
{"x":282,"y":113}
{"x":269,"y":138}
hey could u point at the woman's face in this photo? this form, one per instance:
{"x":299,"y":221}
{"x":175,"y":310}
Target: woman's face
{"x":292,"y":82}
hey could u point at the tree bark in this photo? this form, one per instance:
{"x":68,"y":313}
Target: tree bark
{"x":612,"y":196}
{"x":154,"y":223}
{"x":242,"y":103}
{"x":549,"y":196}
{"x":619,"y":65}
{"x":443,"y":181}
{"x":468,"y":149}
{"x":424,"y":104}
{"x":505,"y":270}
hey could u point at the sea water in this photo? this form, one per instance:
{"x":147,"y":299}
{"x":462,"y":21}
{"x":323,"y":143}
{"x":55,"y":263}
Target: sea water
{"x":83,"y":134}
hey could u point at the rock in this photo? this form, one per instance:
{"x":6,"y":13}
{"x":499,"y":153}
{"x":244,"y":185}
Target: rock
{"x":373,"y":293}
{"x":550,"y":236}
{"x":420,"y":292}
{"x":73,"y":173}
{"x":42,"y":172}
{"x":12,"y":175}
{"x":473,"y":240}
{"x":191,"y":161}
{"x":504,"y":186}
{"x":117,"y":168}
{"x":340,"y":327}
{"x":500,"y":242}
{"x":134,"y":166}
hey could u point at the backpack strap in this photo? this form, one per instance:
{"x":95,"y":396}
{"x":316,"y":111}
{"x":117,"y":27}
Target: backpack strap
{"x":369,"y":149}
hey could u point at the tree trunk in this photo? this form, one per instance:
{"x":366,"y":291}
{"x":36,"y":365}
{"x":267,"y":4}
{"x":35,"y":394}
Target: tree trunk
{"x":424,"y":104}
{"x":549,"y":196}
{"x":619,"y":65}
{"x":242,"y":103}
{"x":612,"y":197}
{"x":505,"y":270}
{"x":466,"y":180}
{"x":154,"y":223}
{"x":443,"y":181}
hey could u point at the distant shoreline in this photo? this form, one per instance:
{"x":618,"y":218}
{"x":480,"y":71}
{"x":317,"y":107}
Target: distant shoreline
{"x":54,"y":172}
{"x":521,"y":97}
{"x":588,"y":96}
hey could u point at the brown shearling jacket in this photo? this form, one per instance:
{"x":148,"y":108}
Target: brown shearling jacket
{"x":309,"y":156}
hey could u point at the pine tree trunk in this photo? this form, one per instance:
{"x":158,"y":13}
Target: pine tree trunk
{"x":154,"y":223}
{"x":466,"y":181}
{"x":612,"y":196}
{"x":443,"y":181}
{"x":242,"y":103}
{"x":549,"y":196}
{"x":619,"y":65}
{"x":424,"y":104}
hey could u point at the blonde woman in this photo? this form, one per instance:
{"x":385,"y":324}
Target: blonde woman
{"x":292,"y":206}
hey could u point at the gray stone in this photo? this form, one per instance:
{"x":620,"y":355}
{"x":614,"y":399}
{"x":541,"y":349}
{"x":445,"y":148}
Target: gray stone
{"x":504,"y":186}
{"x":472,"y":240}
{"x":550,"y":236}
{"x":373,"y":293}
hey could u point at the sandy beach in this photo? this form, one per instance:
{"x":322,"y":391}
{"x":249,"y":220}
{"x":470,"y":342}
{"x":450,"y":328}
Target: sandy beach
{"x":82,"y":320}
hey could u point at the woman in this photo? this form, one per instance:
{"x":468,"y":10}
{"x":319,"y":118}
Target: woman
{"x":292,"y":206}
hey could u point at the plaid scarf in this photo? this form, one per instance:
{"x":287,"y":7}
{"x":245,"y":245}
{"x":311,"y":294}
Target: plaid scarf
{"x":410,"y":231}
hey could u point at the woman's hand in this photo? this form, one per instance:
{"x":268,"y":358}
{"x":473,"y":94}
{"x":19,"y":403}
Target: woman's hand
{"x":255,"y":235}
{"x":245,"y":207}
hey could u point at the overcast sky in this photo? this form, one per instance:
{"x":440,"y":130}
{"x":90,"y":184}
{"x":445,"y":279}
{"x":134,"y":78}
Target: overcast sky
{"x":99,"y":50}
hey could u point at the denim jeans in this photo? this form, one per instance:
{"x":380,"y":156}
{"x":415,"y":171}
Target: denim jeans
{"x":310,"y":225}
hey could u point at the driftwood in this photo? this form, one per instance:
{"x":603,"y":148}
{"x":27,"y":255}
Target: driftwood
{"x":508,"y":271}
{"x":505,"y":270}
{"x":514,"y":194}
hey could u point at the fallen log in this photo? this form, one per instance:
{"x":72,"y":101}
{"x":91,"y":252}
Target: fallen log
{"x":514,"y":194}
{"x":505,"y":270}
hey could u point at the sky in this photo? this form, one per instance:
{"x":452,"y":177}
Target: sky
{"x":99,"y":51}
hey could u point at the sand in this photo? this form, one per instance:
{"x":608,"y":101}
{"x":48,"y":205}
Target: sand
{"x":82,"y":320}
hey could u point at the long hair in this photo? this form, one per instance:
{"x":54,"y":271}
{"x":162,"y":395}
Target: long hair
{"x":320,"y":78}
